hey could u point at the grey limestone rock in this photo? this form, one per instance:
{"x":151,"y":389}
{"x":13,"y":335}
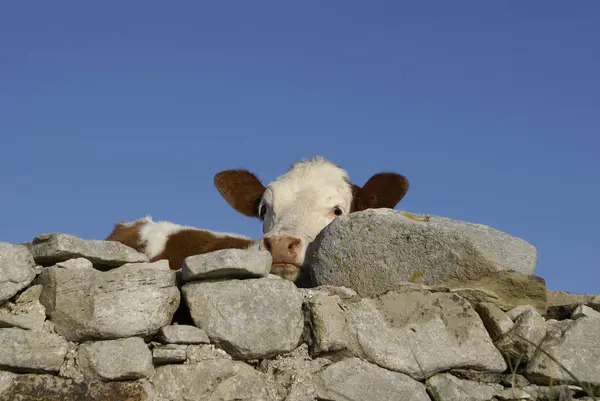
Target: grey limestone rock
{"x":135,"y":299}
{"x":182,"y":334}
{"x":31,"y":351}
{"x":16,"y":270}
{"x":495,"y":320}
{"x":26,"y":312}
{"x":169,"y":353}
{"x":450,"y":388}
{"x":519,"y":344}
{"x":353,"y":379}
{"x":49,"y":249}
{"x":113,"y":360}
{"x":252,"y":318}
{"x":386,"y":246}
{"x":227,"y":263}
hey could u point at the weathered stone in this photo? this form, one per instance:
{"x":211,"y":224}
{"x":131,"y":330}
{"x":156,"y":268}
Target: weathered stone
{"x":505,"y":289}
{"x":76,"y":263}
{"x":495,"y":320}
{"x":227,"y":263}
{"x":356,"y":380}
{"x":211,"y":380}
{"x":553,"y":393}
{"x":31,"y":351}
{"x":330,"y":324}
{"x":512,"y":394}
{"x":386,"y":246}
{"x":517,"y":311}
{"x":170,"y":353}
{"x":252,"y":318}
{"x":506,"y":379}
{"x":133,"y":300}
{"x":450,"y":388}
{"x":49,"y":249}
{"x":416,"y":333}
{"x":26,"y":312}
{"x":519,"y":344}
{"x":70,"y":368}
{"x":111,"y":360}
{"x":584,"y":311}
{"x":182,"y":334}
{"x":291,"y":375}
{"x":33,"y":387}
{"x":16,"y":270}
{"x":574,"y":344}
{"x":199,"y":353}
{"x":561,"y":304}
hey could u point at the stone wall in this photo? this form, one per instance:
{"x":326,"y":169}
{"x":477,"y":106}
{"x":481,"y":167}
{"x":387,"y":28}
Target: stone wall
{"x":416,"y":309}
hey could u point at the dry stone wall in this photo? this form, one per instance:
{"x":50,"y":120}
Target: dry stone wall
{"x":94,"y":320}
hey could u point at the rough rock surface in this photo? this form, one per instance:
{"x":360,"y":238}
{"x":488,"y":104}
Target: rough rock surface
{"x":519,"y":344}
{"x":495,"y":320}
{"x":182,"y":334}
{"x":133,"y":300}
{"x":169,"y":353}
{"x":113,"y":360}
{"x":561,"y":304}
{"x":211,"y":380}
{"x":16,"y":270}
{"x":49,"y":249}
{"x":26,"y":312}
{"x":252,"y":318}
{"x":356,"y":380}
{"x":451,"y":388}
{"x":416,"y":333}
{"x":227,"y":263}
{"x":369,"y":251}
{"x":31,"y":351}
{"x":32,"y":387}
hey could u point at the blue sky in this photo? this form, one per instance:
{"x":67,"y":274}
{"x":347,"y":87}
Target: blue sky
{"x":114,"y":110}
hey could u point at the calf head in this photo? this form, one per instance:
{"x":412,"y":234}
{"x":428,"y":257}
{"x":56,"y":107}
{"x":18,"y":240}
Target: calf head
{"x":299,"y":204}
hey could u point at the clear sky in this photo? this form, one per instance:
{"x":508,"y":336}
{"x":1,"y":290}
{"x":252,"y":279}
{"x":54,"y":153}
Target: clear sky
{"x":113,"y":110}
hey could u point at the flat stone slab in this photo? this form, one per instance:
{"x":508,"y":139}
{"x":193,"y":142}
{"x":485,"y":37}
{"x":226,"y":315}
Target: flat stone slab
{"x":356,"y":380}
{"x":387,"y":246}
{"x":251,"y":318}
{"x":134,"y":300}
{"x":227,"y":263}
{"x":169,"y":353}
{"x":113,"y":360}
{"x":32,"y":351}
{"x":182,"y":334}
{"x":16,"y":270}
{"x":49,"y":249}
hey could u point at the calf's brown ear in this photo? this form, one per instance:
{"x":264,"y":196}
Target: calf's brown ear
{"x":241,"y":189}
{"x":382,"y":190}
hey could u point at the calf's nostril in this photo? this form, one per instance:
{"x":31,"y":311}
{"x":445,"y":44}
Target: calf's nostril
{"x":267,"y":244}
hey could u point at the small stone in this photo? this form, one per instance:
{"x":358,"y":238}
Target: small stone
{"x":495,"y":320}
{"x":554,"y":392}
{"x":32,"y":351}
{"x":182,"y":334}
{"x":199,"y":353}
{"x":517,"y":311}
{"x":252,"y":318}
{"x":76,"y":263}
{"x":513,"y":394}
{"x":49,"y":249}
{"x":227,"y":263}
{"x":519,"y":344}
{"x":25,"y":315}
{"x":16,"y":270}
{"x":330,"y":322}
{"x":584,"y":311}
{"x":353,"y":379}
{"x":31,"y":294}
{"x":112,"y":360}
{"x":561,"y":304}
{"x":170,"y":353}
{"x":450,"y":388}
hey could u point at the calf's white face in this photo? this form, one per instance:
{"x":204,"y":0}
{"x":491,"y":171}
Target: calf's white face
{"x":300,"y":203}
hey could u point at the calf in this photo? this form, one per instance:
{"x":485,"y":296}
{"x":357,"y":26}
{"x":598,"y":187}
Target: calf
{"x":300,"y":203}
{"x":166,"y":240}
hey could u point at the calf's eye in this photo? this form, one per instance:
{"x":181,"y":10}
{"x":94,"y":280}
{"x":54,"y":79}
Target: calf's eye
{"x":337,"y":211}
{"x":262,"y":210}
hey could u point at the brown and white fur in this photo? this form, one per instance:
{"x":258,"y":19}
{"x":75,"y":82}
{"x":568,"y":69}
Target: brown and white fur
{"x":174,"y":242}
{"x":300,"y":203}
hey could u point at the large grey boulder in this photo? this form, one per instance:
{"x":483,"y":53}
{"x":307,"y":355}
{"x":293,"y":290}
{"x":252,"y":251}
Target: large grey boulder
{"x":133,"y":300}
{"x":370,"y":251}
{"x":227,"y":263}
{"x":113,"y":360}
{"x":574,"y":344}
{"x":251,"y":318}
{"x":31,"y":351}
{"x":210,"y":380}
{"x":16,"y":270}
{"x":49,"y":249}
{"x":356,"y":380}
{"x":414,"y":332}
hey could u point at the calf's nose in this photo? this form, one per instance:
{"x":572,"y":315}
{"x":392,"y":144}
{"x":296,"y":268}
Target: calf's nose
{"x":283,"y":248}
